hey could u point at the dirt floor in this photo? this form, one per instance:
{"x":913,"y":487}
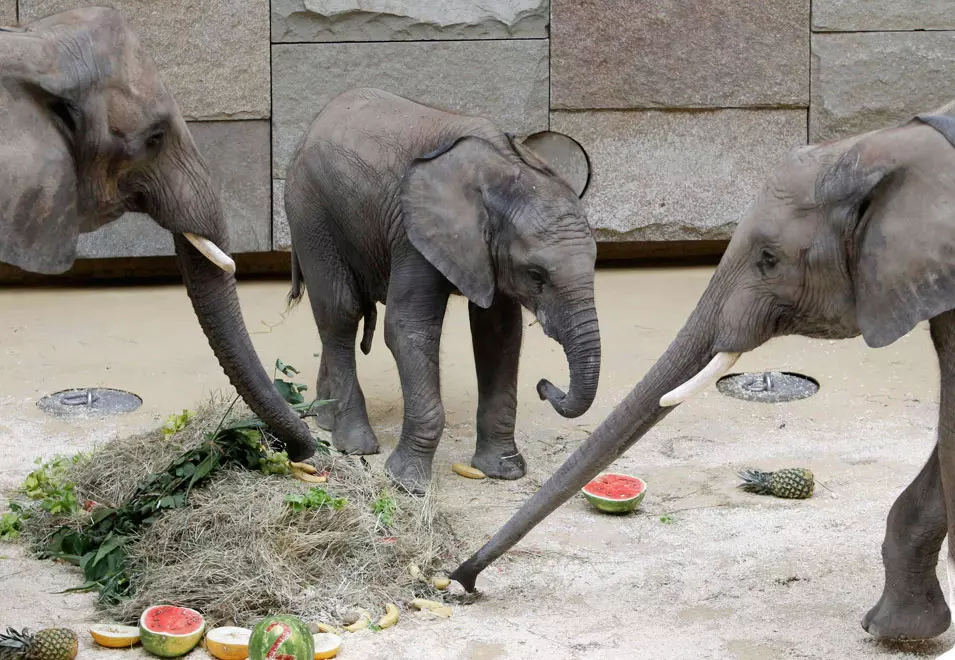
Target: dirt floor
{"x":728,"y":575}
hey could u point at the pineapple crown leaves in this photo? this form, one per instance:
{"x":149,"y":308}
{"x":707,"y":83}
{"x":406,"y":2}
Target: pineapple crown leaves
{"x":15,"y":640}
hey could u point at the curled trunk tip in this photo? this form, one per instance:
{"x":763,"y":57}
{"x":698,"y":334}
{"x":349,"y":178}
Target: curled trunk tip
{"x":547,"y":391}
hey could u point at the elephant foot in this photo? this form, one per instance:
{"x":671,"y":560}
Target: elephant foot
{"x":324,"y":416}
{"x":497,"y":464}
{"x":909,"y":617}
{"x":356,"y":439}
{"x":409,"y":472}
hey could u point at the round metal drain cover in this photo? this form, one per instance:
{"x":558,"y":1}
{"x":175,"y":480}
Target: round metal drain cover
{"x":768,"y":387}
{"x":89,"y":401}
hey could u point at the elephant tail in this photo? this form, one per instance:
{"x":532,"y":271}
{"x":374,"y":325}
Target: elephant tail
{"x":298,"y":286}
{"x":368,"y":327}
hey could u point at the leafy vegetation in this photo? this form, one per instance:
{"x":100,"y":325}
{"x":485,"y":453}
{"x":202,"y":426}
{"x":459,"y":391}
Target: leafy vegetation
{"x":176,"y":423}
{"x":291,"y":392}
{"x":315,"y":498}
{"x":385,"y":508}
{"x":97,"y":542}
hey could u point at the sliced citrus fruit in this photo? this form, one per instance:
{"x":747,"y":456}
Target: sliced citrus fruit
{"x":115,"y":637}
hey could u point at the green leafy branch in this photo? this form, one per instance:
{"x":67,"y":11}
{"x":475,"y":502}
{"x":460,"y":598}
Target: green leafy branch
{"x":315,"y":498}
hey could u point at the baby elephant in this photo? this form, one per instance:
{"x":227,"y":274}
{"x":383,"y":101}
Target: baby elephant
{"x":395,"y":202}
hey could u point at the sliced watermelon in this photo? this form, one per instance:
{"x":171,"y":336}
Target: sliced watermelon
{"x":281,"y":637}
{"x":169,"y":631}
{"x":615,"y":493}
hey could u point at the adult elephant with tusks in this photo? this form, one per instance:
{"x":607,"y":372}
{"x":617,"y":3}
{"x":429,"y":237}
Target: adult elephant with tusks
{"x":848,"y":237}
{"x":393,"y":201}
{"x":90,"y":132}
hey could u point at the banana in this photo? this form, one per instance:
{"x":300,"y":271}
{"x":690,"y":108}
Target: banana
{"x":390,"y":618}
{"x":435,"y":607}
{"x":467,"y":471}
{"x":414,"y":572}
{"x":440,"y":583}
{"x":308,"y":478}
{"x":324,"y":628}
{"x":304,"y":467}
{"x":364,"y":620}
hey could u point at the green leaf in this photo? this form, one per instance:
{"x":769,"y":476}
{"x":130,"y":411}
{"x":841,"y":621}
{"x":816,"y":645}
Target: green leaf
{"x":286,"y":369}
{"x":110,"y":544}
{"x":290,"y":392}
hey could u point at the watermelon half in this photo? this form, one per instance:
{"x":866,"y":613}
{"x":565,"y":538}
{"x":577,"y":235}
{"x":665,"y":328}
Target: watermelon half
{"x":615,"y":493}
{"x":169,"y":631}
{"x":281,"y":637}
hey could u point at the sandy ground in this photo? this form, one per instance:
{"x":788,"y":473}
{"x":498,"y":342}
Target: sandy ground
{"x":729,"y":576}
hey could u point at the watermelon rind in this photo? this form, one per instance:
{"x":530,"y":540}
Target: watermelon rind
{"x":267,"y":641}
{"x":170,"y":645}
{"x":608,"y":505}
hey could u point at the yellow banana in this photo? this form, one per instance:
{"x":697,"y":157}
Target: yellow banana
{"x":390,"y":618}
{"x":304,"y":467}
{"x":440,"y":583}
{"x":435,"y":607}
{"x":308,"y":478}
{"x":414,"y":572}
{"x":326,"y":628}
{"x":364,"y":620}
{"x":467,"y":471}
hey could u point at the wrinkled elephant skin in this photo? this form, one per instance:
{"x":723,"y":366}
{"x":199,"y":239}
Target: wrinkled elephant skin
{"x":394,"y":202}
{"x":848,"y":237}
{"x":90,"y":132}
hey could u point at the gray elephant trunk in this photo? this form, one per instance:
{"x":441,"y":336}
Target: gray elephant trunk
{"x":580,"y":338}
{"x":196,"y":209}
{"x":626,"y":424}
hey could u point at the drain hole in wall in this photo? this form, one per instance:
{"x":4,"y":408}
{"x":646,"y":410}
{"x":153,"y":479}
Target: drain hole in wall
{"x":768,"y":386}
{"x":80,"y":401}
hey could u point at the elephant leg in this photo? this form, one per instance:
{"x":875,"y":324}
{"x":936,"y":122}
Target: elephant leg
{"x":417,"y":300}
{"x":912,"y":605}
{"x":325,"y":414}
{"x":496,"y":337}
{"x":338,"y":378}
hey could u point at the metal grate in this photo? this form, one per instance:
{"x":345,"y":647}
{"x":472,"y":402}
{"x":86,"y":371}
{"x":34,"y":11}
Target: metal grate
{"x":768,"y":386}
{"x":89,"y":401}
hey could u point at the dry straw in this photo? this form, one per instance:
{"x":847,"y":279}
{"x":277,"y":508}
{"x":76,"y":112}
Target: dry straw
{"x":237,"y":551}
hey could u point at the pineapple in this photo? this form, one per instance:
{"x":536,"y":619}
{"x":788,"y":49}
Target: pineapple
{"x":48,"y":644}
{"x":792,"y":483}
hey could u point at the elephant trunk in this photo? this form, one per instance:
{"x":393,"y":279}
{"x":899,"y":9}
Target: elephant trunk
{"x":214,"y":299}
{"x":580,"y":338}
{"x":626,"y":424}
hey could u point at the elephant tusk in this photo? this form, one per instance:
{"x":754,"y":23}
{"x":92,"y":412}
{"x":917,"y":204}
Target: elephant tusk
{"x":212,"y":252}
{"x":718,"y":366}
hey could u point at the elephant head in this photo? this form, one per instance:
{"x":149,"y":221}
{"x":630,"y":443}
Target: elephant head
{"x":498,"y":219}
{"x":90,"y":132}
{"x":846,"y":237}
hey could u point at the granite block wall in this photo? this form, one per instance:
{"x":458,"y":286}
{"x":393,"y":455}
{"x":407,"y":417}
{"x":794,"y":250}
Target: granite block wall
{"x":683,"y":107}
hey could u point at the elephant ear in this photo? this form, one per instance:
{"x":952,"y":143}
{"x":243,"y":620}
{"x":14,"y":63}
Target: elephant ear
{"x":904,"y":271}
{"x":563,"y":155}
{"x":446,"y":216}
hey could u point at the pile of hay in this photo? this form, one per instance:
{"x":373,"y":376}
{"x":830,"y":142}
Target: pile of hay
{"x":238,"y":551}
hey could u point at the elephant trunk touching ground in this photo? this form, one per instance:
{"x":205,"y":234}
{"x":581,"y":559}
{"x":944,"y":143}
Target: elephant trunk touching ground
{"x":580,"y":337}
{"x":211,"y":288}
{"x":689,"y":354}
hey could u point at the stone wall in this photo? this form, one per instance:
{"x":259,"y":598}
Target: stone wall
{"x":683,"y":107}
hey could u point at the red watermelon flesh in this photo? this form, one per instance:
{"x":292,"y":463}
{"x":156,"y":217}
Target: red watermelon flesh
{"x":615,"y":487}
{"x":173,"y":620}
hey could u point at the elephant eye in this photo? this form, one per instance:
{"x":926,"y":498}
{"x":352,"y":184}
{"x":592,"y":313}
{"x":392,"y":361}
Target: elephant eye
{"x":538,"y":277}
{"x":155,"y":139}
{"x":767,"y":261}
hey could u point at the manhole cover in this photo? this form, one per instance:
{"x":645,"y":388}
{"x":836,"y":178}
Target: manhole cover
{"x":768,"y":387}
{"x":89,"y":401}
